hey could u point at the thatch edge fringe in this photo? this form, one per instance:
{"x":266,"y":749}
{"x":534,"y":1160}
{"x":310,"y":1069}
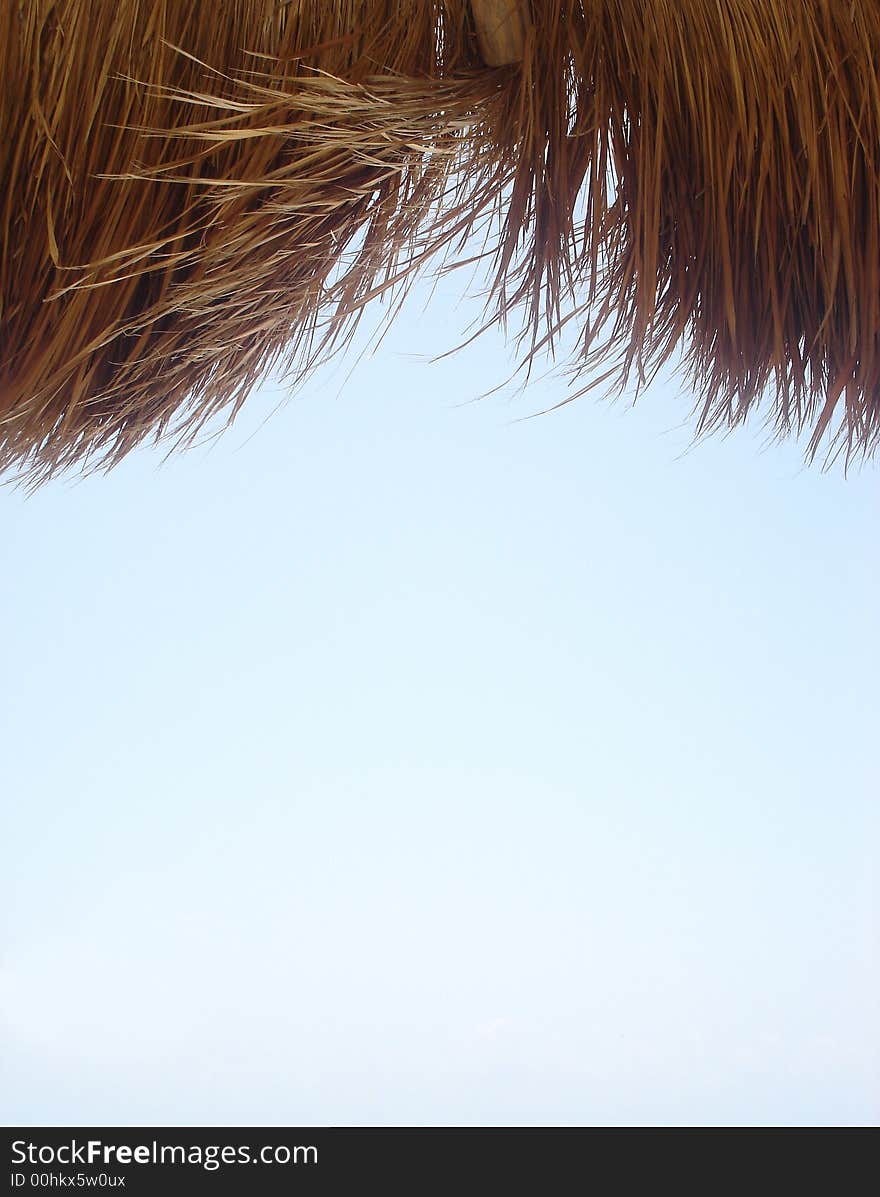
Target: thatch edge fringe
{"x":713,"y":183}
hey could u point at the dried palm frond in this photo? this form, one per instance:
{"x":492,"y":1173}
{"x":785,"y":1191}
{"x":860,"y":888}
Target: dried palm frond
{"x":194,"y":192}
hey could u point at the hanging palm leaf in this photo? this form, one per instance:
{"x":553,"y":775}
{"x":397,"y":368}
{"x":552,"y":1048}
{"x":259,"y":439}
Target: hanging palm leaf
{"x":195,"y":192}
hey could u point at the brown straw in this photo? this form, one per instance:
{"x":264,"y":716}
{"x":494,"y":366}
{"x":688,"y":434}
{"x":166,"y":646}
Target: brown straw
{"x":194,"y":192}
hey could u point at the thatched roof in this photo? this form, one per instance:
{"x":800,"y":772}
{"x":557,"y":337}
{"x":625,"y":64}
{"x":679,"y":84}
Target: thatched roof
{"x":192,"y":191}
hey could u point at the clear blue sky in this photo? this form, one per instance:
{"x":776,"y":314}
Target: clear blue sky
{"x":398,"y":761}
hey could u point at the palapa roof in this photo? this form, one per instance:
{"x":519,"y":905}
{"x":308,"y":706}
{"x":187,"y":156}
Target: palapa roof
{"x":192,"y":193}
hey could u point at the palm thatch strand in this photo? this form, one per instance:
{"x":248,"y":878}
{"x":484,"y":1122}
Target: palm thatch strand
{"x":193,"y":192}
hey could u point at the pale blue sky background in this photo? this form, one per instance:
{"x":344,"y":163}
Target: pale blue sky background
{"x":406,"y":763}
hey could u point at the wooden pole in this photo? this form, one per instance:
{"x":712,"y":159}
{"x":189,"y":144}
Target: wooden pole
{"x":501,"y":30}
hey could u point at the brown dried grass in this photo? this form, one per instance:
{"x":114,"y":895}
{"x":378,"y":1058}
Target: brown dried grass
{"x":194,"y":192}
